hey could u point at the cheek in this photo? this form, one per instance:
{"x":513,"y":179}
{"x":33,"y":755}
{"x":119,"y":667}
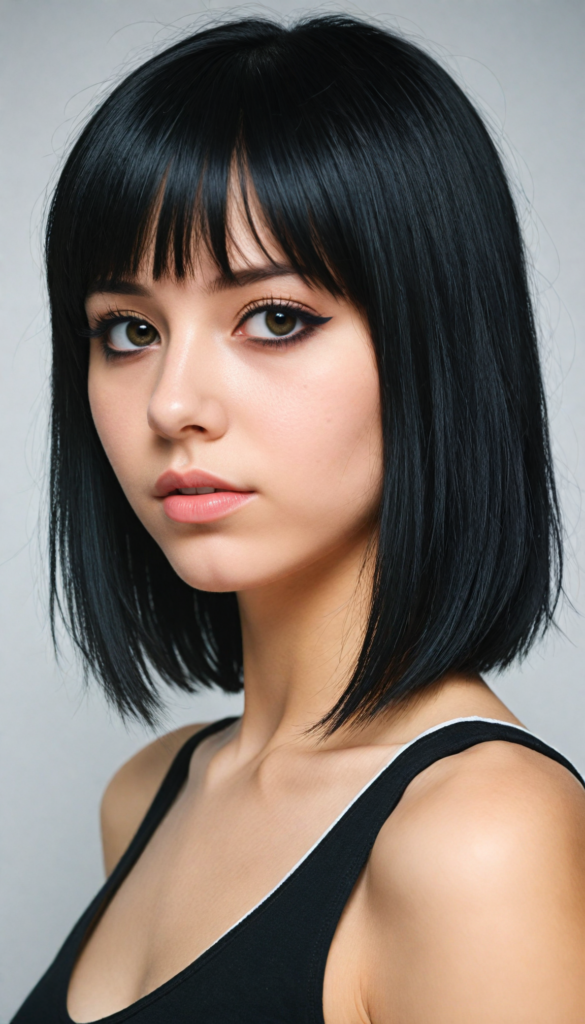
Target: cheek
{"x":324,"y":435}
{"x":117,"y":411}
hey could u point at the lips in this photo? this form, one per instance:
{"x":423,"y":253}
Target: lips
{"x":172,"y":480}
{"x":196,"y":496}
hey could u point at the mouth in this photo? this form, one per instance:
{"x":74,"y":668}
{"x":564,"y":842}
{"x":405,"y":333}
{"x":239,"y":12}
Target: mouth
{"x":198,"y":490}
{"x":196,"y":496}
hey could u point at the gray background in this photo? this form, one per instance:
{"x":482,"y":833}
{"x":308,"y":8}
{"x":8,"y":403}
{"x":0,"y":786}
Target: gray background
{"x":522,"y":62}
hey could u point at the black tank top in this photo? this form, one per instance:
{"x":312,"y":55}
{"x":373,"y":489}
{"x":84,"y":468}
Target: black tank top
{"x":269,"y":967}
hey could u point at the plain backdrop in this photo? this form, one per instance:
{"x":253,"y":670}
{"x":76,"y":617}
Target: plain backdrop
{"x":522,"y":62}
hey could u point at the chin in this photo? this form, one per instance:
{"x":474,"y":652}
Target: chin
{"x":222,"y":569}
{"x":226,"y":565}
{"x":222,"y":561}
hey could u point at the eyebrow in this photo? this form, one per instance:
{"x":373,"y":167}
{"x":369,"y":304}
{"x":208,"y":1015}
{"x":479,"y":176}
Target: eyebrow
{"x":251,"y":275}
{"x":238,"y":279}
{"x":117,"y":286}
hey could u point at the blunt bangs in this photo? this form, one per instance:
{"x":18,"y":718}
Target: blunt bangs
{"x":376,"y":178}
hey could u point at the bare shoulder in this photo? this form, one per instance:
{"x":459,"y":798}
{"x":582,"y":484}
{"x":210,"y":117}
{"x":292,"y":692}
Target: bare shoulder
{"x":482,"y":805}
{"x":477,"y":881}
{"x":132,"y":789}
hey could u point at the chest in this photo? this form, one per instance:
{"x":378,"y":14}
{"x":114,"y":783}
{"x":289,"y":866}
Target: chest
{"x":213,"y":859}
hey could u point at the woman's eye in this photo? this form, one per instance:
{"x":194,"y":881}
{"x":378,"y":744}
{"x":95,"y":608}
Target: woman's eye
{"x":273,"y":323}
{"x":131,"y":335}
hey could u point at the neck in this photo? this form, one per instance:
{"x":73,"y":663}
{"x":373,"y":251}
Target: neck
{"x":301,"y":637}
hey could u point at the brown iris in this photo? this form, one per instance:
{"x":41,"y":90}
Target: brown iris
{"x":140,"y":333}
{"x":280,"y":322}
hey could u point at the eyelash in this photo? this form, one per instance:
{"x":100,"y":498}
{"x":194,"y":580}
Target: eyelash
{"x":106,"y":322}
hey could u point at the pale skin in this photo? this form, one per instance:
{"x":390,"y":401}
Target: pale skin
{"x":471,"y":909}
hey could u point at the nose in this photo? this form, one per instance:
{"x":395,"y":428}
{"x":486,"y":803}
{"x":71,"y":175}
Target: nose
{"x":187,"y":397}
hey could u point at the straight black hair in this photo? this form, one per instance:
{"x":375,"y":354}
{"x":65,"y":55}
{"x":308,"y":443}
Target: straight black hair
{"x":378,"y":180}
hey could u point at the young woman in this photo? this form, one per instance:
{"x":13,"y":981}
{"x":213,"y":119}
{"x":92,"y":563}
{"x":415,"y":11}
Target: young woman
{"x":300,"y":446}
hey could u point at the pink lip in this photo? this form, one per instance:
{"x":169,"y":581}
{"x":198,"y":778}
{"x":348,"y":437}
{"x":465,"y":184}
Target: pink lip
{"x":198,"y":508}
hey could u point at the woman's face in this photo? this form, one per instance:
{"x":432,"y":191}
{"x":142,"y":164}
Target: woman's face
{"x":265,"y":390}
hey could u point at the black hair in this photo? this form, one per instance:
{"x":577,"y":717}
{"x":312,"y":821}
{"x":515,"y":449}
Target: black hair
{"x":378,"y":180}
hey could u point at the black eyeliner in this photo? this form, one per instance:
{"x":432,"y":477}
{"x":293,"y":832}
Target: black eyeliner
{"x":105,"y":324}
{"x":303,"y":314}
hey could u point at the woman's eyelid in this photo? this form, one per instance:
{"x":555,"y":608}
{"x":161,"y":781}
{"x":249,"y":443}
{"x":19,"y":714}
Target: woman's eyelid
{"x":264,"y":305}
{"x":111,"y":317}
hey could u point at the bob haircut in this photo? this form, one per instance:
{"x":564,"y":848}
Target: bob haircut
{"x":378,"y":180}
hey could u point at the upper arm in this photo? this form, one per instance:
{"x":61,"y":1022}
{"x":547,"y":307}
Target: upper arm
{"x":132,"y":789}
{"x":476,"y":896}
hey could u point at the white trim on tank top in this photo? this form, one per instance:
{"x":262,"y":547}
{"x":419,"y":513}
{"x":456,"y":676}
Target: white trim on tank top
{"x":364,"y":789}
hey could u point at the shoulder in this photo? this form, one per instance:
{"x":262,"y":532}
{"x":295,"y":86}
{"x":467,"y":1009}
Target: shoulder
{"x":132,"y":789}
{"x":481,"y":807}
{"x":480,"y":873}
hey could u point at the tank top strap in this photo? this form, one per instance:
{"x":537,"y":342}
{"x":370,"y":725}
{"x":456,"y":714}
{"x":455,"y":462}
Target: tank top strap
{"x":357,"y":828}
{"x":294,"y":926}
{"x":164,"y":797}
